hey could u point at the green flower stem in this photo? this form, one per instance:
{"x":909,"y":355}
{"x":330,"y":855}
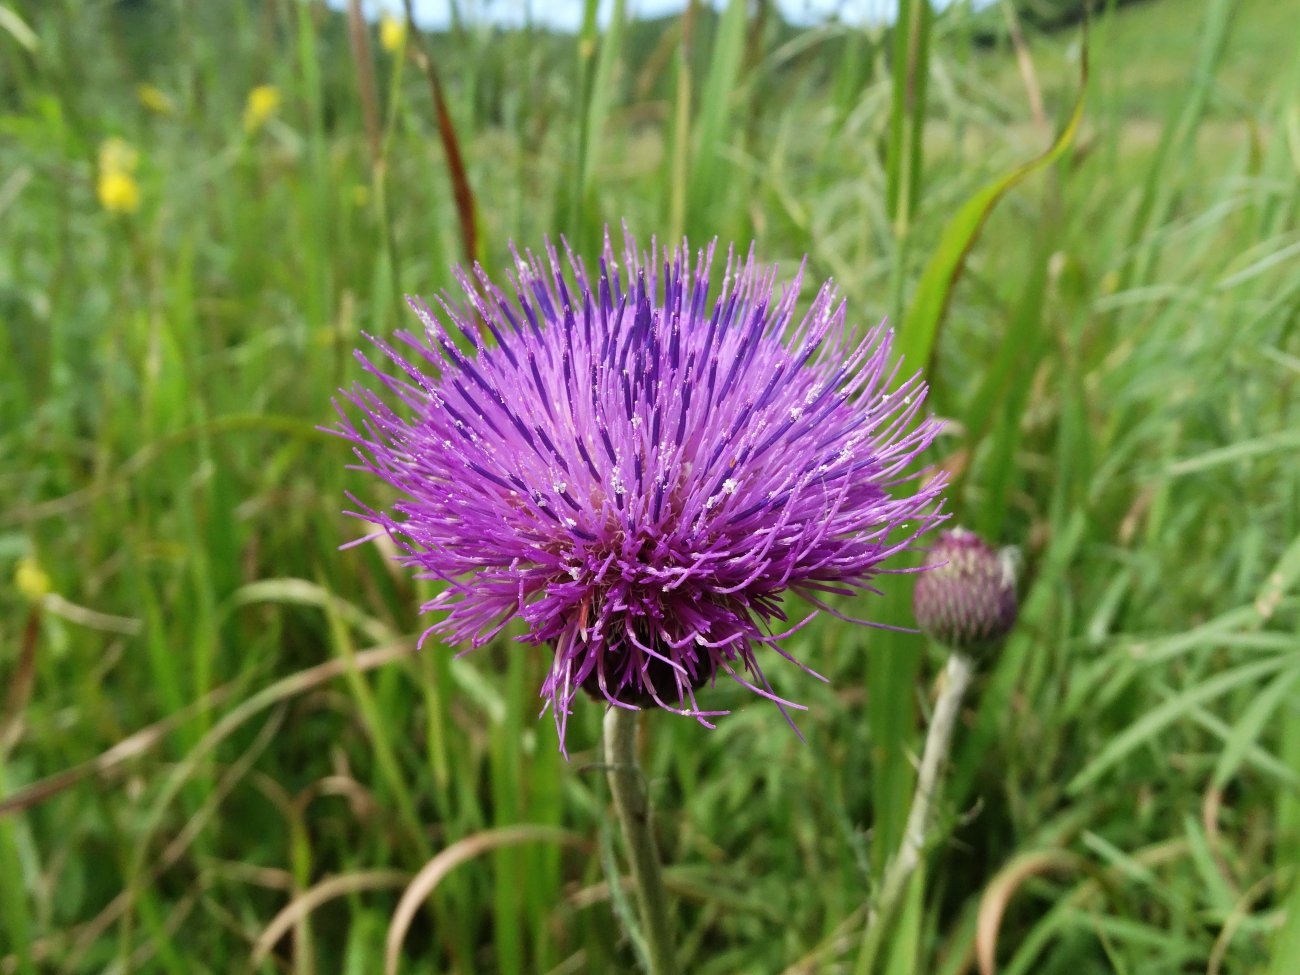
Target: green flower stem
{"x":627,"y":783}
{"x":938,"y":742}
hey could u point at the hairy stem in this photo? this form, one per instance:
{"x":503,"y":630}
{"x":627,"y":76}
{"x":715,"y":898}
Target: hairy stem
{"x":938,"y":742}
{"x":627,"y":783}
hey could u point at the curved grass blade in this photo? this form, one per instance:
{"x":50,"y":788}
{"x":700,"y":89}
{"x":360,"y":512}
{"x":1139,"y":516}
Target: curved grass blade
{"x":433,"y":872}
{"x":1154,"y":721}
{"x":934,"y":290}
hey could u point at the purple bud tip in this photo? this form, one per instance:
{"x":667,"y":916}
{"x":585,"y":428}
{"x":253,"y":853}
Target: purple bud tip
{"x":966,"y":598}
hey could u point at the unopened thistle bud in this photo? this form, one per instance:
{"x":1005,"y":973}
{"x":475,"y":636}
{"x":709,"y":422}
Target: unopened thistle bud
{"x":966,"y":598}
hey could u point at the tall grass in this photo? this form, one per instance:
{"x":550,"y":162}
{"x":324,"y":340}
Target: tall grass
{"x":228,"y":748}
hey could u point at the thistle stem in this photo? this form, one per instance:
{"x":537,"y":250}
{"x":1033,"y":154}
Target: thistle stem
{"x":627,"y":783}
{"x":938,"y":742}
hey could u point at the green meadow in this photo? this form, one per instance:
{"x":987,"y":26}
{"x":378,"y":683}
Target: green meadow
{"x":220,"y":750}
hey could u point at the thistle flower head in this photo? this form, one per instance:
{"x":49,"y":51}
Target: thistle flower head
{"x":967,"y":598}
{"x":639,"y":473}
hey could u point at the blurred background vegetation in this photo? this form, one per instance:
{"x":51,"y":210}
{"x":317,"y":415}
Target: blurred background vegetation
{"x":218,"y":749}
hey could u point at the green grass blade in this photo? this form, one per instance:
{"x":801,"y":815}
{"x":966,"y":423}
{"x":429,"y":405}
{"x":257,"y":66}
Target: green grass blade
{"x":680,"y":138}
{"x":600,"y":98}
{"x":1156,"y":720}
{"x":711,"y":185}
{"x":1286,"y":944}
{"x":1250,"y":725}
{"x":1175,"y":140}
{"x":911,"y":68}
{"x":15,"y":913}
{"x":934,"y":291}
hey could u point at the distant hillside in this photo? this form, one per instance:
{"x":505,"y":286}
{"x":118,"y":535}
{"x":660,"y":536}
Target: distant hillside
{"x":1042,"y":16}
{"x":1141,"y":52}
{"x":1144,"y":55}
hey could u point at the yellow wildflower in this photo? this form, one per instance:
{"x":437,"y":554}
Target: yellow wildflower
{"x":155,"y":99}
{"x":392,"y":33}
{"x":118,"y":156}
{"x":263,"y":101}
{"x":117,"y":189}
{"x":31,"y":580}
{"x":118,"y":192}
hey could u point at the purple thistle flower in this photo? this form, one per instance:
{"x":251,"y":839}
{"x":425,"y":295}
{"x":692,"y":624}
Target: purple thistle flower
{"x":637,"y":475}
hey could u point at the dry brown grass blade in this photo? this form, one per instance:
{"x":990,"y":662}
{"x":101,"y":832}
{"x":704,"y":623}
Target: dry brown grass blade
{"x":215,"y":871}
{"x":360,"y":800}
{"x":1233,"y":923}
{"x":359,"y":41}
{"x":846,"y":935}
{"x":432,"y":873}
{"x":460,"y":188}
{"x":145,"y":739}
{"x":20,"y":685}
{"x":999,"y":893}
{"x":291,"y":809}
{"x":149,"y":948}
{"x":1026,"y":65}
{"x":313,"y":897}
{"x":146,"y":455}
{"x":128,"y":748}
{"x":267,"y":697}
{"x":1211,"y":803}
{"x":89,"y":935}
{"x":1009,"y":879}
{"x":592,"y":894}
{"x":56,"y":605}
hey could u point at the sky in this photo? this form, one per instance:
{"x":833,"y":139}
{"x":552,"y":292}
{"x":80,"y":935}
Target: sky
{"x":567,"y":14}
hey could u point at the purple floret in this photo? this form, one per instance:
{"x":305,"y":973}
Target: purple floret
{"x":638,"y":474}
